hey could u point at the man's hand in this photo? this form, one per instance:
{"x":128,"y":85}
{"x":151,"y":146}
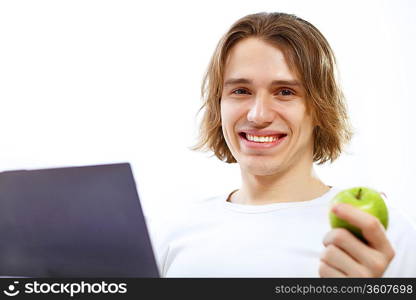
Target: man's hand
{"x":347,"y":256}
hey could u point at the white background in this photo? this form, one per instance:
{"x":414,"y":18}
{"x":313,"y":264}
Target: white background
{"x":92,"y":82}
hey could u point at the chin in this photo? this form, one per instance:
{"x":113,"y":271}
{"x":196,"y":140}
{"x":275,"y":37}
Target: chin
{"x":260,"y":167}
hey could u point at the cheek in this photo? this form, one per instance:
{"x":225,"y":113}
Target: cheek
{"x":306,"y":129}
{"x":223,"y":114}
{"x":228,"y":115}
{"x":225,"y":123}
{"x":301,"y":118}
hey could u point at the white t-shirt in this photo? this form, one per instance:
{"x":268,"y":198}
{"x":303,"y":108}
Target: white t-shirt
{"x":216,"y":238}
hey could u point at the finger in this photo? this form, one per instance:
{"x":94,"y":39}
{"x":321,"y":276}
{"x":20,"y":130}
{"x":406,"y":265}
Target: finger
{"x":370,"y":226}
{"x":338,"y":259}
{"x":349,"y":243}
{"x":326,"y":270}
{"x":372,"y":259}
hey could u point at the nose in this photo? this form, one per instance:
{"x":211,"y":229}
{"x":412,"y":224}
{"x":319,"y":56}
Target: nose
{"x":261,"y":112}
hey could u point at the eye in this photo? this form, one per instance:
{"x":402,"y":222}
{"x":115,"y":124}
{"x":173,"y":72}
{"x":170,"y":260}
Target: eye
{"x":239,"y":92}
{"x":286,"y":92}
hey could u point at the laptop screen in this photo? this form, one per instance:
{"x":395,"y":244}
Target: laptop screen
{"x":73,"y":222}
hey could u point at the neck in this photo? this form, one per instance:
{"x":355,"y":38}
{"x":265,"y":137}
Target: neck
{"x":296,"y":184}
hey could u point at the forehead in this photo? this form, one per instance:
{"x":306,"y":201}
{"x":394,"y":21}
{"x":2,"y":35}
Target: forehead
{"x":257,"y":60}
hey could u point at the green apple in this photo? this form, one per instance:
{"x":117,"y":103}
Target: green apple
{"x":365,"y":199}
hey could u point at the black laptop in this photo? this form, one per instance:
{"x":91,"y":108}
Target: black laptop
{"x":73,"y":222}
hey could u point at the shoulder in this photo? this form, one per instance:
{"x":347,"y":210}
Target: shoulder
{"x":401,"y":233}
{"x":176,"y":221}
{"x":400,"y":223}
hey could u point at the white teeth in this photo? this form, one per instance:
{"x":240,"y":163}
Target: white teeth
{"x":261,"y":139}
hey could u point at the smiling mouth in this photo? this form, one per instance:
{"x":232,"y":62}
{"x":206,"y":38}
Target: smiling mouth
{"x":262,"y":139}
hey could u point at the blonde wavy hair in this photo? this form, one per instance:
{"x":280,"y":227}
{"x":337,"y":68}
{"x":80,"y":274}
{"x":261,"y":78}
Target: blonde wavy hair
{"x":308,"y":53}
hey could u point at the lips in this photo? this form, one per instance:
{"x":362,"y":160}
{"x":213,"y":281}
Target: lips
{"x":267,"y":135}
{"x":262,"y":139}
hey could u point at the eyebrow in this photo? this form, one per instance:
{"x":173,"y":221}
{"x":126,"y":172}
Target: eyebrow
{"x":232,"y":81}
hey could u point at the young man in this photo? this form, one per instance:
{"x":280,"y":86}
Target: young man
{"x":272,"y":105}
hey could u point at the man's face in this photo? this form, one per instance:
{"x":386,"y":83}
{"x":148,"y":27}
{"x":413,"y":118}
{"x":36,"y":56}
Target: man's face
{"x":263,"y":111}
